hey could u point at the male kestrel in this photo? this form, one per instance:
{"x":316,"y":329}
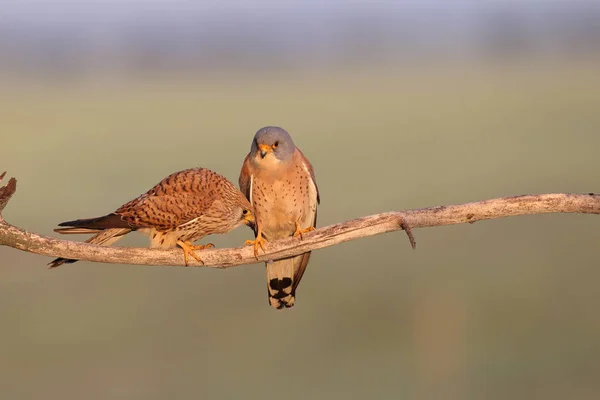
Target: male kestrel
{"x":182,"y":208}
{"x":280,"y":183}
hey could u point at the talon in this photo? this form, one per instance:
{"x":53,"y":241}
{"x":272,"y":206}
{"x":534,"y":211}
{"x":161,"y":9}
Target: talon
{"x":259,"y":241}
{"x":300,"y":231}
{"x":188,"y":250}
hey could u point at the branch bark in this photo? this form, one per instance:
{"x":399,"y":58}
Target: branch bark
{"x":323,"y":237}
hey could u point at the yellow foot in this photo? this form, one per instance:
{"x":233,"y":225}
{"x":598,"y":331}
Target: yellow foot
{"x":300,"y":231}
{"x":259,"y":241}
{"x":189,"y":248}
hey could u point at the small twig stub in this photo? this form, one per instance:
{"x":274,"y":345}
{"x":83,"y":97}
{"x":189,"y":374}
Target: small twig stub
{"x":409,"y":233}
{"x":6,"y":191}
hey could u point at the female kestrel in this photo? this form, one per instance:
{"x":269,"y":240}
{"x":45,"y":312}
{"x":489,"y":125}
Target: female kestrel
{"x":180,"y":209}
{"x":280,"y":184}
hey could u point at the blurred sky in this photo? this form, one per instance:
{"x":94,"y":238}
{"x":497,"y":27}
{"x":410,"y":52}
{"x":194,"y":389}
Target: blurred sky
{"x":165,"y":35}
{"x":80,"y":13}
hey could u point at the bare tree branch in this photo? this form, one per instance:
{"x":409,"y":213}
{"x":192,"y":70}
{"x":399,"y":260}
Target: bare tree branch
{"x":318,"y":239}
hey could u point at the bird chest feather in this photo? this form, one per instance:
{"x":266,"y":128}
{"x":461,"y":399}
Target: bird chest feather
{"x":282,"y":200}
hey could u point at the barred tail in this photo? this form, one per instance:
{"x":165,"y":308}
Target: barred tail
{"x":280,"y":277}
{"x":283,"y":277}
{"x":104,"y":238}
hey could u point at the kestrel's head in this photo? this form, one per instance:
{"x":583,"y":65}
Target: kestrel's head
{"x":236,"y":211}
{"x":272,"y":145}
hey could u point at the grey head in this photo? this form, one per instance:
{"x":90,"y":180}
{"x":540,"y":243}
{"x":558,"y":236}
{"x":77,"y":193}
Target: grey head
{"x":272,"y":140}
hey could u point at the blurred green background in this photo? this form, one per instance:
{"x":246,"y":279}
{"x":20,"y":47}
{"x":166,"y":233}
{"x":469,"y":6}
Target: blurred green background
{"x":499,"y":309}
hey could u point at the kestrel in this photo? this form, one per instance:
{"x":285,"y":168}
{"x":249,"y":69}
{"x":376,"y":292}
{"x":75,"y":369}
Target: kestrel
{"x":280,"y":184}
{"x":181,"y":209}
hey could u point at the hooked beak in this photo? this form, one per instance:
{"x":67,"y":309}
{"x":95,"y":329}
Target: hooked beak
{"x":249,"y":219}
{"x":264,"y":149}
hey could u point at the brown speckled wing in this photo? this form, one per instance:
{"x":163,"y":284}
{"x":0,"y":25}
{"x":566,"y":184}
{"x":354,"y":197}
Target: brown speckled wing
{"x":244,"y":179}
{"x":177,"y":199}
{"x":311,"y":171}
{"x":301,"y":261}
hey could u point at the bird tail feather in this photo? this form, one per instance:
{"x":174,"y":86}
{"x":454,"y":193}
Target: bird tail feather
{"x":283,"y":277}
{"x":76,"y":231}
{"x":105,"y":237}
{"x":99,"y":223}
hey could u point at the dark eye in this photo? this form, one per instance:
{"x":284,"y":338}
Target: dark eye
{"x":276,"y":144}
{"x":245,"y":212}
